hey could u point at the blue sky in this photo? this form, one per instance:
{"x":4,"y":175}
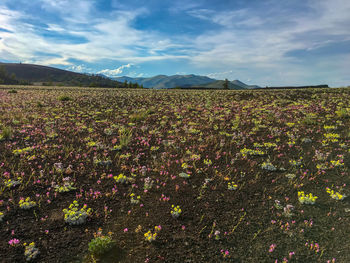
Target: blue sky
{"x":270,"y":42}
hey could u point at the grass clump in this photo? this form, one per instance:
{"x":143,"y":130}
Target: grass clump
{"x":139,"y":116}
{"x":6,"y":133}
{"x":100,"y":244}
{"x":64,"y":98}
{"x":342,"y":113}
{"x":125,"y":137}
{"x":13,"y":91}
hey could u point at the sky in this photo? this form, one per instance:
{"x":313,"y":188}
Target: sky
{"x":263,"y":42}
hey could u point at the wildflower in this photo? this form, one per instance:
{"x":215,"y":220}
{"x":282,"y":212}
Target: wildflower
{"x":75,"y":216}
{"x":149,"y":236}
{"x":306,"y":199}
{"x":272,"y":248}
{"x":12,"y":183}
{"x":335,"y":195}
{"x":121,"y":179}
{"x":1,"y":216}
{"x":217,"y":235}
{"x":225,"y":253}
{"x":184,"y":175}
{"x":26,"y":203}
{"x":268,"y":166}
{"x":176,"y":211}
{"x":31,"y":252}
{"x":232,"y":186}
{"x":287,"y":211}
{"x":207,"y":162}
{"x":13,"y":242}
{"x":148,"y":183}
{"x":133,"y":200}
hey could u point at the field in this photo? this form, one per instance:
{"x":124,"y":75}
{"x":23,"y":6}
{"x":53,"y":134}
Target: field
{"x":174,"y":176}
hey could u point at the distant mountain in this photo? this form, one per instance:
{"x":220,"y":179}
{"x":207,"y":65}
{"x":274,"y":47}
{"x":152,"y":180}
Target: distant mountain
{"x":49,"y":75}
{"x":243,"y":85}
{"x":168,"y":82}
{"x":185,"y":81}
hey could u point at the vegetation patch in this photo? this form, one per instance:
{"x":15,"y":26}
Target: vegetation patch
{"x":120,"y":175}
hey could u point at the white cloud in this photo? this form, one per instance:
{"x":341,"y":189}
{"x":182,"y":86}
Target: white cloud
{"x":114,"y":72}
{"x":111,"y":37}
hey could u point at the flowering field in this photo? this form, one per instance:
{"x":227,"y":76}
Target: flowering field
{"x":98,"y":175}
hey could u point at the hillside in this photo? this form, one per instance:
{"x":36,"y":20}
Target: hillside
{"x":168,"y":82}
{"x":243,"y":85}
{"x":54,"y":76}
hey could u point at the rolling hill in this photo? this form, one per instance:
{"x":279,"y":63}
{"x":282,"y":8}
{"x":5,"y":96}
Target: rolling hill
{"x":38,"y":74}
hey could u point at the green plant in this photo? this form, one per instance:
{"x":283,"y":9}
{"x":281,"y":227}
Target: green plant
{"x":139,"y":116}
{"x":149,"y":236}
{"x":12,"y":91}
{"x":75,"y":216}
{"x":100,"y":245}
{"x":121,"y":178}
{"x":306,"y":199}
{"x":232,"y":186}
{"x":64,"y":98}
{"x":6,"y":133}
{"x":30,"y":252}
{"x":175,"y":211}
{"x":39,"y":104}
{"x":26,"y":203}
{"x":12,"y":183}
{"x":125,"y":137}
{"x":342,"y":113}
{"x":309,"y":119}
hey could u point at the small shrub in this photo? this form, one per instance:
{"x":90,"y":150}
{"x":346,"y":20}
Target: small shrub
{"x":306,"y":199}
{"x":309,"y":119}
{"x":125,"y":137}
{"x":6,"y":134}
{"x":75,"y":216}
{"x":12,"y":91}
{"x":100,"y":245}
{"x":342,"y":113}
{"x":139,"y":116}
{"x":39,"y":104}
{"x":64,"y":98}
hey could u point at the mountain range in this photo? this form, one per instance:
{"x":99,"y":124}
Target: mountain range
{"x":184,"y":81}
{"x":15,"y":73}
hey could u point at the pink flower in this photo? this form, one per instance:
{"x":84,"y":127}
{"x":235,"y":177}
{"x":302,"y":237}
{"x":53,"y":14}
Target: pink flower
{"x":125,"y":230}
{"x":272,"y":248}
{"x":13,"y":242}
